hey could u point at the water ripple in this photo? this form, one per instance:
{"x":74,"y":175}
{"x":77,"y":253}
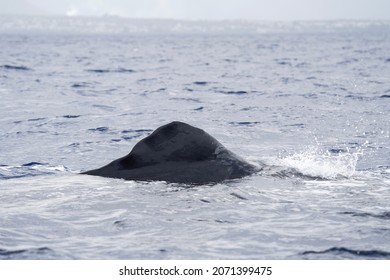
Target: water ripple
{"x":383,"y":216}
{"x":117,"y":70}
{"x":343,"y":250}
{"x":15,"y":67}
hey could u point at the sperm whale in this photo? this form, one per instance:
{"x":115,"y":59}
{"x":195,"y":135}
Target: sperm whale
{"x":178,"y":153}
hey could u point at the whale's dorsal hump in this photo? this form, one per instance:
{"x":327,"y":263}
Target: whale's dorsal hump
{"x":176,"y":141}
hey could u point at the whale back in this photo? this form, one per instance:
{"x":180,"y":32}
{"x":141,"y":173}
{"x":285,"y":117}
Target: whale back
{"x":173,"y":142}
{"x":177,"y":153}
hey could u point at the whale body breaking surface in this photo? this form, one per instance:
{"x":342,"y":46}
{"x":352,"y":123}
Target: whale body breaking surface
{"x":178,"y":153}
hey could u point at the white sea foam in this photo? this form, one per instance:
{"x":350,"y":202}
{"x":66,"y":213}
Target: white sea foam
{"x":323,"y":164}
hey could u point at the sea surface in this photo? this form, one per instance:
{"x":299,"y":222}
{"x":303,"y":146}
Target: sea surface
{"x":311,"y":100}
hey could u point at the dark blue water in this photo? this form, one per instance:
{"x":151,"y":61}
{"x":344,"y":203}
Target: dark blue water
{"x":311,"y":100}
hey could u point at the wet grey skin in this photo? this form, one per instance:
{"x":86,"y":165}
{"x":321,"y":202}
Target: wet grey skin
{"x":178,"y":153}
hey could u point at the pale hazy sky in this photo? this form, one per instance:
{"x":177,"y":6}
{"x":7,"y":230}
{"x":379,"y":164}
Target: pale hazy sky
{"x":206,"y":9}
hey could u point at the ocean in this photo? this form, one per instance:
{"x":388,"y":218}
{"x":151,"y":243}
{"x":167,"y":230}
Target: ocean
{"x":310,"y":100}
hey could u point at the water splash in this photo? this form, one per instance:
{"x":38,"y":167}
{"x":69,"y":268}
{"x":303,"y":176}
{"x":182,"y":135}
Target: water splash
{"x":321,"y":164}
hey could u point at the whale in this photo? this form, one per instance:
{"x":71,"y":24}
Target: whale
{"x":178,"y":153}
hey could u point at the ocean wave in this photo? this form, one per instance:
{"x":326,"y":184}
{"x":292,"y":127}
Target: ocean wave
{"x":15,"y":67}
{"x":374,"y":254}
{"x":116,"y":70}
{"x":40,"y":253}
{"x":234,"y":92}
{"x":22,"y":254}
{"x":29,"y":169}
{"x":382,"y":216}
